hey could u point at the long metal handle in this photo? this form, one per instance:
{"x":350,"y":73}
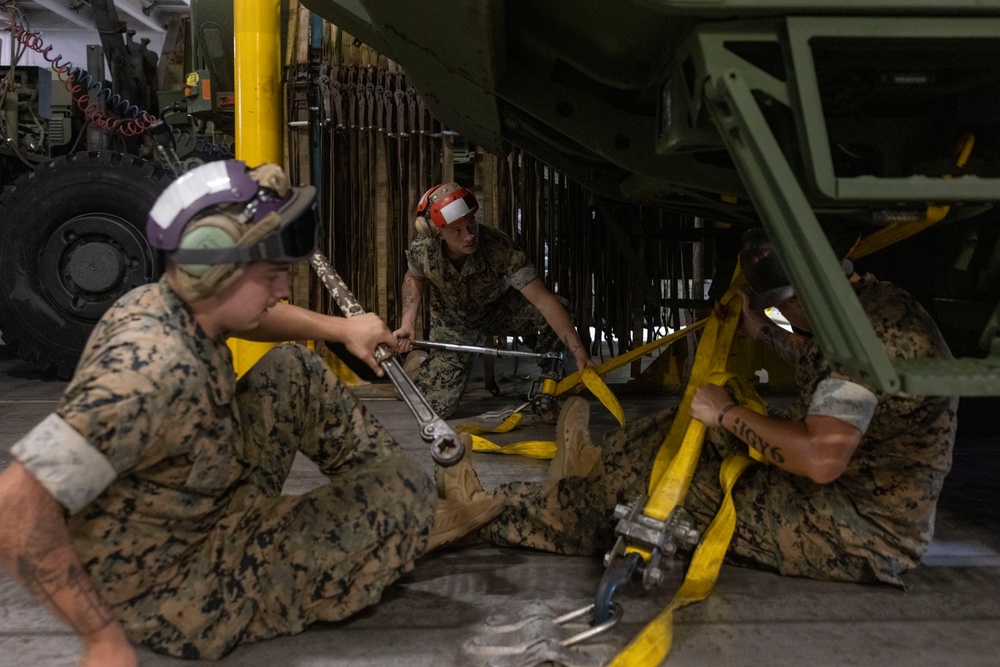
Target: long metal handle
{"x":446,"y":448}
{"x":491,"y":351}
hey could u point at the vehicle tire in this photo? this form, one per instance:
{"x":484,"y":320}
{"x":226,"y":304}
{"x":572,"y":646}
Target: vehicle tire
{"x":72,"y":240}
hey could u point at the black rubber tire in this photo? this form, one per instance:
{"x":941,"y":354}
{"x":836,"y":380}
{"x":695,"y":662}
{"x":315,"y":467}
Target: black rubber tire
{"x":72,"y":240}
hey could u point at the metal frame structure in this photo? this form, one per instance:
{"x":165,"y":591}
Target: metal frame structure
{"x":727,"y":110}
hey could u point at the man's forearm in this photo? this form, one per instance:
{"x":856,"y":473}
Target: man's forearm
{"x":412,"y":293}
{"x":36,"y":549}
{"x":567,"y":333}
{"x":562,"y":324}
{"x":817,"y":447}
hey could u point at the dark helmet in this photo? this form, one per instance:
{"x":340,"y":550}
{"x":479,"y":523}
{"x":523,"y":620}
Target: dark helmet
{"x":765,"y":274}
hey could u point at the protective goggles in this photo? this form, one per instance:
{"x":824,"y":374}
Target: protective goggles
{"x":295,"y":236}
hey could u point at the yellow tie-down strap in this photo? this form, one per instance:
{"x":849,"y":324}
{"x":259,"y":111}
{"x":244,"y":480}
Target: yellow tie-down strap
{"x":478,"y":429}
{"x":652,"y":644}
{"x":536,"y":449}
{"x":591,"y":378}
{"x":540,"y":449}
{"x":673,"y":470}
{"x":607,"y":398}
{"x":678,"y":455}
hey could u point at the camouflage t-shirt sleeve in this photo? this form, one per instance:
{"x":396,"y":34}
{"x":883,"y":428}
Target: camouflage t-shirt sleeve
{"x":122,"y":415}
{"x":844,"y":400}
{"x":109,"y":421}
{"x":520,"y":271}
{"x":62,"y":461}
{"x":416,"y":258}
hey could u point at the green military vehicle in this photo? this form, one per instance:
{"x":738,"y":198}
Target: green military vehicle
{"x":79,"y":171}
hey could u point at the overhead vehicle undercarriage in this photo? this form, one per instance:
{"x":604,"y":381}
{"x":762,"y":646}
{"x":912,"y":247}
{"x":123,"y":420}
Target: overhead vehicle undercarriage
{"x":803,"y":117}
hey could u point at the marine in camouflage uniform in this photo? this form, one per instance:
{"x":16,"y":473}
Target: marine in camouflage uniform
{"x":869,"y":525}
{"x":172,"y":471}
{"x":480,"y":284}
{"x":147,"y":508}
{"x":468,"y":304}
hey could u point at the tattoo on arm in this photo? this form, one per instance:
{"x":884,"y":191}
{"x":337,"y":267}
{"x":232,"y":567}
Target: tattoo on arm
{"x":571,"y":343}
{"x":787,"y":346}
{"x":65,"y":588}
{"x":743,"y":431}
{"x":36,"y":548}
{"x":411,"y":294}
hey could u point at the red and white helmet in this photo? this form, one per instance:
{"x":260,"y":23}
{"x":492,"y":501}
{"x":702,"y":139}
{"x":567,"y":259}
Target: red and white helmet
{"x":447,"y":205}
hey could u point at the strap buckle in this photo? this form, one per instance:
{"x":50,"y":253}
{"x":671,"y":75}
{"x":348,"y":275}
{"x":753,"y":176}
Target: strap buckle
{"x":660,"y":538}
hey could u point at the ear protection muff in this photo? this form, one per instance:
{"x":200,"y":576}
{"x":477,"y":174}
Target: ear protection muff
{"x":199,"y":281}
{"x":211,"y":232}
{"x":424,"y":228}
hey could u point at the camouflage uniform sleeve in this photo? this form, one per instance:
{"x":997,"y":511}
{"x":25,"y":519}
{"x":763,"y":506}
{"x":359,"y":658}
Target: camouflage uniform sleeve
{"x":416,"y":258}
{"x":520,"y":271}
{"x":110,"y":422}
{"x":62,"y":461}
{"x":844,"y":400}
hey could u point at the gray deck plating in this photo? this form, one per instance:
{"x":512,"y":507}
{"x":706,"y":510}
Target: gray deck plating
{"x":949,"y":615}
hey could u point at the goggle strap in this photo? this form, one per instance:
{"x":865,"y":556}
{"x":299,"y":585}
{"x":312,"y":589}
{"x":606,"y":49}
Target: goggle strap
{"x":213,"y":256}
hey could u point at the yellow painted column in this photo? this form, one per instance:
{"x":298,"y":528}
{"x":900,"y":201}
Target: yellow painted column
{"x":257,"y":40}
{"x":258,"y":80}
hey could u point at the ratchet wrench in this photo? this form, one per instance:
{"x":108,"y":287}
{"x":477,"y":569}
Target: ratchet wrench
{"x":489,"y":351}
{"x":446,"y":448}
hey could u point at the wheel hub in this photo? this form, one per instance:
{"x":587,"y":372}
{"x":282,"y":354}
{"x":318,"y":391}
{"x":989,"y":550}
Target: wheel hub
{"x":96,"y":267}
{"x":91,"y":260}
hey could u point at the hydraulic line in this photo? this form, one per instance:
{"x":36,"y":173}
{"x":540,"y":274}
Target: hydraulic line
{"x":83,"y":87}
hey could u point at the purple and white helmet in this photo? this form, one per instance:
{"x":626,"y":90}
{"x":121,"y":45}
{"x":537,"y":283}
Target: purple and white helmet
{"x":230,"y":182}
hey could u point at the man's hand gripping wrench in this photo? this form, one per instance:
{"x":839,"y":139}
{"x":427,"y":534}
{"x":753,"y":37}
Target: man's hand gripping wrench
{"x":446,"y":448}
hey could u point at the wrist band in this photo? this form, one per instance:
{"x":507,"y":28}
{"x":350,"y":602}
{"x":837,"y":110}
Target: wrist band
{"x":724,"y":410}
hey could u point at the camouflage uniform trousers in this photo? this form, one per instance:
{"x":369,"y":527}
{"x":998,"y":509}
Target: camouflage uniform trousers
{"x":575,"y":516}
{"x":443,"y":376}
{"x":275,"y":564}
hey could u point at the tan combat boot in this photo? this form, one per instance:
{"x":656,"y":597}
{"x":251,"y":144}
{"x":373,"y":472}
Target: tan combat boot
{"x":576,"y":455}
{"x":463,"y":504}
{"x":413,"y":361}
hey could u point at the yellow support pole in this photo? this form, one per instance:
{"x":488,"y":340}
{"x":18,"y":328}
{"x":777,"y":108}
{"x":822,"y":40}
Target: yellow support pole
{"x":258,"y":80}
{"x":258,"y":111}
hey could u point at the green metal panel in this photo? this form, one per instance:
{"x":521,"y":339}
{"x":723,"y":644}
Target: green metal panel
{"x":945,"y":41}
{"x":839,"y":322}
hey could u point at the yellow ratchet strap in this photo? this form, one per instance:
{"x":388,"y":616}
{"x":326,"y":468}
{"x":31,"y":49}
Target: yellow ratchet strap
{"x":673,"y":470}
{"x":677,"y":458}
{"x":476,"y":429}
{"x":574,"y":379}
{"x":607,"y":398}
{"x":536,"y":449}
{"x":653,"y":643}
{"x":541,"y":449}
{"x":591,"y":378}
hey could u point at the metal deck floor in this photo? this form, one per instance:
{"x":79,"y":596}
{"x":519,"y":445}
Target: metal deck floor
{"x":949,"y":615}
